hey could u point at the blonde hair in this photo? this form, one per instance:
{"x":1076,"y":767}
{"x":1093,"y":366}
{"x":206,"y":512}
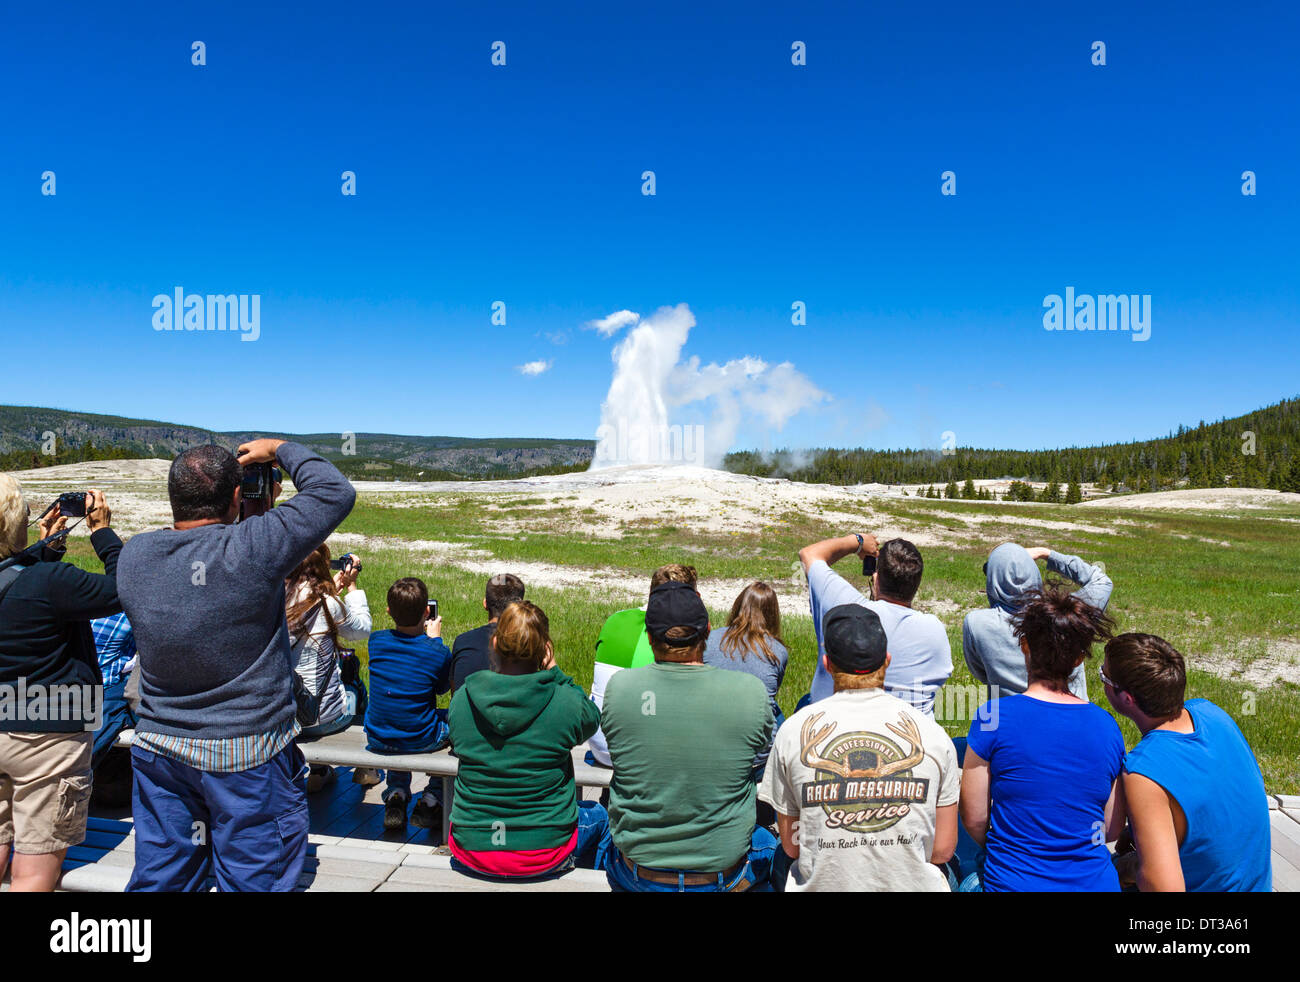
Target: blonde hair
{"x":13,"y":517}
{"x":522,"y":634}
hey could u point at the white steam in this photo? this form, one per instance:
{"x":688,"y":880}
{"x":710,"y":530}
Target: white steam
{"x":651,"y":382}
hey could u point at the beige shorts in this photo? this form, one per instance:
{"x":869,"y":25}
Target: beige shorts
{"x":44,"y":790}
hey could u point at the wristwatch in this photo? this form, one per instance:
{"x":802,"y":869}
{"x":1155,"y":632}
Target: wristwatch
{"x":858,"y":536}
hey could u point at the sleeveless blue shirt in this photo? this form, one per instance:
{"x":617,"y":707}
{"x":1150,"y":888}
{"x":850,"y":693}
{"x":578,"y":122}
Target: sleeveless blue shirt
{"x":1212,"y":774}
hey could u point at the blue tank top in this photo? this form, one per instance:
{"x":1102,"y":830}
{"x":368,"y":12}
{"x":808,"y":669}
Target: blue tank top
{"x":1212,"y":774}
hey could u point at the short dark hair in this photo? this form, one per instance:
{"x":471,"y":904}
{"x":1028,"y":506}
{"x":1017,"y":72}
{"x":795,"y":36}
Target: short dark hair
{"x":201,"y":483}
{"x":1151,"y":670}
{"x":408,"y":599}
{"x":899,"y":569}
{"x":1060,"y":628}
{"x":502,"y":590}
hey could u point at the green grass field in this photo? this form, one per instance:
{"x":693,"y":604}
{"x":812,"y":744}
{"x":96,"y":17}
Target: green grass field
{"x":1221,"y":587}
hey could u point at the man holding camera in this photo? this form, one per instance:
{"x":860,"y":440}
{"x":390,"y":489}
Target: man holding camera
{"x":214,"y":756}
{"x":47,"y":652}
{"x":921,"y":657}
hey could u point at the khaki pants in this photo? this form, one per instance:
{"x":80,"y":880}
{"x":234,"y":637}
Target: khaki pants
{"x":44,"y":790}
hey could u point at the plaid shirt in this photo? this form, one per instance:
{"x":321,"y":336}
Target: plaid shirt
{"x":114,"y":644}
{"x":223,"y":754}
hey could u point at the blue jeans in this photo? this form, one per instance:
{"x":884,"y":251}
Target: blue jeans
{"x":590,"y":852}
{"x":116,"y":716}
{"x":753,"y":874}
{"x":401,"y":780}
{"x":248,"y":827}
{"x":318,"y":730}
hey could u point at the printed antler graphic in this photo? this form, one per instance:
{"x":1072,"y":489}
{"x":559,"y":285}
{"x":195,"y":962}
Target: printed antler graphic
{"x":811,"y":736}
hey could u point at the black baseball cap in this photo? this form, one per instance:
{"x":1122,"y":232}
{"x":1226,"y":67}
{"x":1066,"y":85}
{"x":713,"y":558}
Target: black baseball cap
{"x":854,"y":639}
{"x":674,"y":604}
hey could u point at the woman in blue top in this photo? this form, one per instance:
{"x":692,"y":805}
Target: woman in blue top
{"x":1040,"y":785}
{"x":1192,"y":833}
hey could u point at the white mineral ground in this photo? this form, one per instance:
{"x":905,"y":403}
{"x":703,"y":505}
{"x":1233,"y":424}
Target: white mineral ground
{"x":616,"y":502}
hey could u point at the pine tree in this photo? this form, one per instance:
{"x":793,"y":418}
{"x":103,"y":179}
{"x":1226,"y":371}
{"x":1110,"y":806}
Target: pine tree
{"x":950,"y":491}
{"x":968,"y":489}
{"x":1073,"y":494}
{"x":1291,"y":482}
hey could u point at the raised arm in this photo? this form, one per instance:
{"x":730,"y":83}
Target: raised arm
{"x":831,"y":551}
{"x":284,"y":536}
{"x":356,"y":622}
{"x":80,"y":596}
{"x":1094,"y":584}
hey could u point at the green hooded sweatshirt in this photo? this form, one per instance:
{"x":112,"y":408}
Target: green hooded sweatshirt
{"x":513,"y":735}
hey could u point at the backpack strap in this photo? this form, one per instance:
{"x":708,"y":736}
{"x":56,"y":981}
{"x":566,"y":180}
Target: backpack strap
{"x":7,"y":577}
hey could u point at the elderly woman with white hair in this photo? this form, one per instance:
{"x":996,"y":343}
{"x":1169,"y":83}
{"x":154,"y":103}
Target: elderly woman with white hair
{"x":50,"y":686}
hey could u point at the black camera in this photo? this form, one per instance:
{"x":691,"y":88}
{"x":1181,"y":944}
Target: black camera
{"x":259,"y":481}
{"x":343,"y":562}
{"x":868,"y":565}
{"x":433,"y":610}
{"x":258,"y":484}
{"x":72,"y":504}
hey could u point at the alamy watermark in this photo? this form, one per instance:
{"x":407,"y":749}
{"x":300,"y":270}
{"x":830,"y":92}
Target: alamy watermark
{"x":1106,"y":312}
{"x":58,"y":703}
{"x":626,"y":443}
{"x":181,"y":311}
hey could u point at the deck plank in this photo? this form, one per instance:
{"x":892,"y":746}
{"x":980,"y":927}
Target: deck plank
{"x":1286,"y":838}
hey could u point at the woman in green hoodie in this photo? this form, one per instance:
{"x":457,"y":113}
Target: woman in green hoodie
{"x":516,"y":812}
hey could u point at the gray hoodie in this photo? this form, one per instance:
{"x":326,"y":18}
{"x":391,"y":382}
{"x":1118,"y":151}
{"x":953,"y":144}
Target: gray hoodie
{"x":990,"y":647}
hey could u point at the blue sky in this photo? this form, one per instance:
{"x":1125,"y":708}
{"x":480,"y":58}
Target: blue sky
{"x":775,"y":183}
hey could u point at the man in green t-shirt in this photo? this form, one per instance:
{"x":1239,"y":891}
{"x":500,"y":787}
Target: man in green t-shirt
{"x":682,"y":736}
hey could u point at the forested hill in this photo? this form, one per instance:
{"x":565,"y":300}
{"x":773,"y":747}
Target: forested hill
{"x":1258,"y":450}
{"x":28,"y":434}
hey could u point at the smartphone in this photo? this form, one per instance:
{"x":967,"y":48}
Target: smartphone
{"x":72,"y":504}
{"x":433,"y":610}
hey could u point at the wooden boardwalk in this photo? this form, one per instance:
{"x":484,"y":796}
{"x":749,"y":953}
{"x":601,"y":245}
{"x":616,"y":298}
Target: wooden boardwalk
{"x":1284,"y":817}
{"x":349,"y":850}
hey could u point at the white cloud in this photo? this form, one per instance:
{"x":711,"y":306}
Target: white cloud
{"x":533,"y":367}
{"x":615,"y":322}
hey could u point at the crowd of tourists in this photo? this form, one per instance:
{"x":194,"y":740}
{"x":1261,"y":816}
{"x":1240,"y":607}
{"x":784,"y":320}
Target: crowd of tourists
{"x":221,"y":641}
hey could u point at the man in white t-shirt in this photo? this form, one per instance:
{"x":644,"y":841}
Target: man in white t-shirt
{"x":864,"y":786}
{"x":918,"y":642}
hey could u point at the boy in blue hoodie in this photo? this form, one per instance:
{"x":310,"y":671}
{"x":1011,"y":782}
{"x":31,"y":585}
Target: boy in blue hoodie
{"x":410,"y":666}
{"x":988,"y":642}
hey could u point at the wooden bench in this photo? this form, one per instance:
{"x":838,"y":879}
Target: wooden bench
{"x":103,"y":862}
{"x":348,"y":749}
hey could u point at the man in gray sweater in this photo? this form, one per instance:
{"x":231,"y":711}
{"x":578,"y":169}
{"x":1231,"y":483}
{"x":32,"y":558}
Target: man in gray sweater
{"x":991,"y":649}
{"x":214,"y":758}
